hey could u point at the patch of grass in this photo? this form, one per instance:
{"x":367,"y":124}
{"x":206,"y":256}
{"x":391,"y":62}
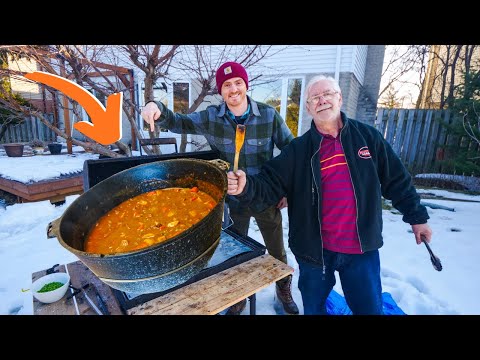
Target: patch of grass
{"x":387,"y":204}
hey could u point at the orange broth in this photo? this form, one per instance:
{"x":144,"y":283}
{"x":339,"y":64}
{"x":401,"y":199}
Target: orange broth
{"x":148,"y":219}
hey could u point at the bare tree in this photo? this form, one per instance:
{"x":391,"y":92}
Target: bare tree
{"x":102,"y":69}
{"x":447,"y":64}
{"x":390,"y":99}
{"x":154,"y":61}
{"x":63,"y":61}
{"x":83,"y":65}
{"x":200,"y":62}
{"x":196,"y":62}
{"x":402,"y":60}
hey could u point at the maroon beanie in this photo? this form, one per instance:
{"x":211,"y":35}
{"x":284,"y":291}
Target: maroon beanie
{"x":230,"y":70}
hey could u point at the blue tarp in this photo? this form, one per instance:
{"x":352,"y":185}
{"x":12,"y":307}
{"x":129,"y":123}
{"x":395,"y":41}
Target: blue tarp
{"x":336,"y":305}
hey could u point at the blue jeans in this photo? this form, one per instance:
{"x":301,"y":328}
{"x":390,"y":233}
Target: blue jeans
{"x":360,"y":280}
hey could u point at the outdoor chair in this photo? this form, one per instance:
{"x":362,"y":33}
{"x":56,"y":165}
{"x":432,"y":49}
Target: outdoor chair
{"x":158,"y":141}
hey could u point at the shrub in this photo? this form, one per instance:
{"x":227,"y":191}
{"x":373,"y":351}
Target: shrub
{"x":37,"y":143}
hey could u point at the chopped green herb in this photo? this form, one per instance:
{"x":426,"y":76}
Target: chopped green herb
{"x":50,"y":287}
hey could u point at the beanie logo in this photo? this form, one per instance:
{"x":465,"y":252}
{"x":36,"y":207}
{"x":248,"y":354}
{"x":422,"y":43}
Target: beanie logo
{"x":227,"y":70}
{"x":364,"y":153}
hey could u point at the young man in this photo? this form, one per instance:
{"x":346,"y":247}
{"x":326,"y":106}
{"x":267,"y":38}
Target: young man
{"x":334,"y":176}
{"x":264,"y":129}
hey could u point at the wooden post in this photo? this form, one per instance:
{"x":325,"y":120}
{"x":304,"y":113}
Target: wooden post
{"x":66,"y":112}
{"x":132,"y":98}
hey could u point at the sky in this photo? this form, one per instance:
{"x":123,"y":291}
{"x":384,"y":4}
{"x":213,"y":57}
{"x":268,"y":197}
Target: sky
{"x":406,"y":271}
{"x":407,"y":92}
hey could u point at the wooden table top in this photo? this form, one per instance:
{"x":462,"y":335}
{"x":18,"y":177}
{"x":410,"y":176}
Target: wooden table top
{"x":207,"y":296}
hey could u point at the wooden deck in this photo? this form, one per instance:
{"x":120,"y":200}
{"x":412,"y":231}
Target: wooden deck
{"x":54,"y":190}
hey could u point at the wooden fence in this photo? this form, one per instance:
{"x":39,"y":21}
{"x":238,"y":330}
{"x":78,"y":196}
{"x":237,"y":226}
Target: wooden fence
{"x":417,"y":136}
{"x":31,"y":128}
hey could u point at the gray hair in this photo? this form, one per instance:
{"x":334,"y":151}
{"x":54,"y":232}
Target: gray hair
{"x":318,"y":78}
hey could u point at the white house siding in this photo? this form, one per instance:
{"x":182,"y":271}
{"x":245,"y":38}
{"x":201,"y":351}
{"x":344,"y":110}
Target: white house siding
{"x":27,"y":89}
{"x":305,"y":59}
{"x":286,"y":59}
{"x":359,"y":62}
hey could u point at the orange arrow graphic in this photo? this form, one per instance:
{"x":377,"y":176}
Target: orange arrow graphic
{"x":106,"y":127}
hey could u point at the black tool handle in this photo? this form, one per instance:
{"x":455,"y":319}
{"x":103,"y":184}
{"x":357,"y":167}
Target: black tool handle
{"x":52,"y":269}
{"x":437,"y":264}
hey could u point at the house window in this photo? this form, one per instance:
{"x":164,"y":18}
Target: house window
{"x":101,"y":97}
{"x":268,"y":92}
{"x":159,"y":93}
{"x":285,"y":96}
{"x":181,"y":97}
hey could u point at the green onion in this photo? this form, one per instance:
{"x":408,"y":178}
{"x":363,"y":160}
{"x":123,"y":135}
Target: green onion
{"x":50,"y":287}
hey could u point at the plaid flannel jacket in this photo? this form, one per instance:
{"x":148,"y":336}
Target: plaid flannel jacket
{"x":264,"y":129}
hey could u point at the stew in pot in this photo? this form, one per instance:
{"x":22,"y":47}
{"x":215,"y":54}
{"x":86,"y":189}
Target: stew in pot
{"x":148,"y":219}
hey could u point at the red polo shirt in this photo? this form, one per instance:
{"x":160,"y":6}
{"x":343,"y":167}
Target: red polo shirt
{"x":339,"y":213}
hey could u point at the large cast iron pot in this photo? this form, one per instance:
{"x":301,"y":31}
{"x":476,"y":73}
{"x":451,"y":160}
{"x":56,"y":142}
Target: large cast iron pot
{"x":160,"y":266}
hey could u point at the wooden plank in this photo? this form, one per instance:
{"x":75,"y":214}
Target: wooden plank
{"x":7,"y":138}
{"x":383,"y":123}
{"x":35,"y":128}
{"x":43,"y":190}
{"x":44,"y":186}
{"x":431,"y":151}
{"x":21,"y":131}
{"x":51,"y":133}
{"x":442,"y":137}
{"x":416,"y":136}
{"x":216,"y":293}
{"x":424,"y":141}
{"x":379,"y":120}
{"x":12,"y":186}
{"x":453,"y":141}
{"x":17,"y":134}
{"x":399,"y":134}
{"x":408,"y":136}
{"x":28,"y":123}
{"x":390,"y":126}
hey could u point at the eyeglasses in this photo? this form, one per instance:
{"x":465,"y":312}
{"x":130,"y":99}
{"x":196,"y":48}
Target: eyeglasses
{"x":326,"y":95}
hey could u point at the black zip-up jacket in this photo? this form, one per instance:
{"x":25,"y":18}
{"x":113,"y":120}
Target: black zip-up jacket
{"x":375,"y":171}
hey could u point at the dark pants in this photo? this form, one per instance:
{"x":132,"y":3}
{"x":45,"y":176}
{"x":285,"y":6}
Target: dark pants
{"x":269,"y":222}
{"x":360,"y":280}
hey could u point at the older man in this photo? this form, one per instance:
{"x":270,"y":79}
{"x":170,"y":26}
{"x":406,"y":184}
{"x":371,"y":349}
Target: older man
{"x":334,"y":176}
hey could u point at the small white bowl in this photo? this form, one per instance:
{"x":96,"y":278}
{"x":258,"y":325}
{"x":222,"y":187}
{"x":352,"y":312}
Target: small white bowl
{"x":54,"y":295}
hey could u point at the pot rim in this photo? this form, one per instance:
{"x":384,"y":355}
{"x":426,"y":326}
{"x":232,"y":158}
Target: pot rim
{"x":155,"y":247}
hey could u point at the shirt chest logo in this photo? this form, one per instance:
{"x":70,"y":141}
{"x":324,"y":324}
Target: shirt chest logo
{"x":364,"y":153}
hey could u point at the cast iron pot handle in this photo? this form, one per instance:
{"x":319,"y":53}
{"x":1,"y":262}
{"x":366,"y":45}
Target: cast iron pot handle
{"x":222,"y":164}
{"x":53,"y":228}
